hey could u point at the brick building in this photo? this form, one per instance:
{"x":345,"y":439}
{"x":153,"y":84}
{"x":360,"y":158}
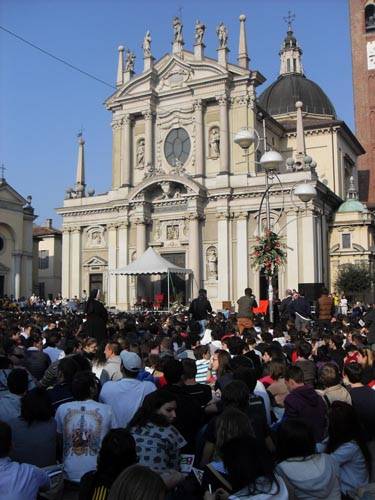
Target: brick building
{"x":362,"y":23}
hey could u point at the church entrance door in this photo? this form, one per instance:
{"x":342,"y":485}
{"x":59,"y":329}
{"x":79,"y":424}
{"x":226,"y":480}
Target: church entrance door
{"x":1,"y":286}
{"x":96,"y":281}
{"x":177,"y":282}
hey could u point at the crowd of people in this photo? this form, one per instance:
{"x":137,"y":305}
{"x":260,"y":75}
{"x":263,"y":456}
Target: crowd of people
{"x":190,"y":405}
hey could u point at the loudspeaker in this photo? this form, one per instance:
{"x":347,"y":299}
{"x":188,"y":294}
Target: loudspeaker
{"x":311,"y":291}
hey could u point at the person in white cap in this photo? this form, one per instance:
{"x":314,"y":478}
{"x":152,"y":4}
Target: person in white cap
{"x":125,"y":396}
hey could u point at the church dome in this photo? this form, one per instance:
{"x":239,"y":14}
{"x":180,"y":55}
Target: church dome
{"x":352,"y":203}
{"x":281,"y":96}
{"x":351,"y":206}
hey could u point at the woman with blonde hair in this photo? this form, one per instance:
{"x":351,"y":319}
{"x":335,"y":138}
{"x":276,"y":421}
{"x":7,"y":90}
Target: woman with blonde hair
{"x":138,"y":483}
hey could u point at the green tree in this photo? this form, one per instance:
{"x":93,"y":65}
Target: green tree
{"x":354,"y":279}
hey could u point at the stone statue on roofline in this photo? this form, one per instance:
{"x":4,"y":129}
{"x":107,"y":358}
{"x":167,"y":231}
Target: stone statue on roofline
{"x":130,"y":61}
{"x":177,"y":27}
{"x":147,"y":45}
{"x":200,"y":28}
{"x":222,"y":34}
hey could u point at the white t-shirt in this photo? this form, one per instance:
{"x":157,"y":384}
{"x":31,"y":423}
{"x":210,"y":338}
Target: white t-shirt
{"x":83,"y":425}
{"x":125,"y":396}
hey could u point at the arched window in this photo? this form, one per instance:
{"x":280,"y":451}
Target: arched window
{"x":370,"y":16}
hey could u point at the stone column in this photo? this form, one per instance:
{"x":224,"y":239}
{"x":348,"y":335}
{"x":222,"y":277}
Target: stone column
{"x":149,"y":139}
{"x":126,"y":151}
{"x":194,"y":251}
{"x":224,"y":135}
{"x":292,"y":278}
{"x":65,"y":275}
{"x":141,"y":236}
{"x":242,"y":253}
{"x":75,"y":267}
{"x":325,"y":249}
{"x":319,"y":247}
{"x":112,"y":264}
{"x":199,"y":135}
{"x":28,"y":284}
{"x":17,"y":275}
{"x":223,"y":256}
{"x":116,"y":154}
{"x":122,"y":261}
{"x":309,"y":248}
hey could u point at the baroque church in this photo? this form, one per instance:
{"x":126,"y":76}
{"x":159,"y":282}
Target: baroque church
{"x":182,"y":185}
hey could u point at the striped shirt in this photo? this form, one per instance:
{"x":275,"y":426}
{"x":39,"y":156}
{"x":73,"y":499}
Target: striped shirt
{"x":202,"y":370}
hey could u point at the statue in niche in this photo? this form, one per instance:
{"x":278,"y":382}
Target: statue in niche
{"x":141,"y":154}
{"x":222,"y":34}
{"x":177,"y":27}
{"x":157,"y":234}
{"x":172,"y":232}
{"x":200,"y":28}
{"x":147,"y":45}
{"x":130,"y":61}
{"x":211,"y":263}
{"x":214,"y":143}
{"x":185,"y":229}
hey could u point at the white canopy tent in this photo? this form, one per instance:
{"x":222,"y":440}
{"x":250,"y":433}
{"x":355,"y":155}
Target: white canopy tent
{"x":151,"y":263}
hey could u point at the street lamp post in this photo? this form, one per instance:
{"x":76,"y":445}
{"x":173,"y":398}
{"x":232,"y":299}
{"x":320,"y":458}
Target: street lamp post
{"x":270,"y":162}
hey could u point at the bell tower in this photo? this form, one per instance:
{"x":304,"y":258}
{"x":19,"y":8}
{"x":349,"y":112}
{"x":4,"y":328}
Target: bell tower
{"x":362,"y":26}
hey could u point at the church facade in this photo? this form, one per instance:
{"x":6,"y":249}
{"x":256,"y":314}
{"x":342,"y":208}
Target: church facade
{"x":183,"y":186}
{"x":16,"y":242}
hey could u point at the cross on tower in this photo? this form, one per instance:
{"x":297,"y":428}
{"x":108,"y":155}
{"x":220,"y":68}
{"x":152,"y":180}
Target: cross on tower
{"x":2,"y":168}
{"x":288,"y":19}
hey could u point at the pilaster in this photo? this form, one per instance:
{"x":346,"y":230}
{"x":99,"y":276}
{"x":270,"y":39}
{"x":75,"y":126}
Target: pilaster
{"x":116,"y":153}
{"x":242,"y":252}
{"x":224,"y":135}
{"x":126,"y":151}
{"x":309,"y":248}
{"x":199,"y":134}
{"x":149,"y":137}
{"x":65,"y":275}
{"x":141,"y":225}
{"x":223,"y":255}
{"x":123,"y":260}
{"x":17,"y":274}
{"x":112,"y":264}
{"x":195,"y":250}
{"x":75,"y":267}
{"x":293,"y":277}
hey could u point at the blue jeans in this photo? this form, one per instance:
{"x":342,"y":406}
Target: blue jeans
{"x":202,"y":326}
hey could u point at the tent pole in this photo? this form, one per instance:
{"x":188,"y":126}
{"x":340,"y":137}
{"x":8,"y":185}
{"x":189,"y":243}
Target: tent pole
{"x":168,"y":289}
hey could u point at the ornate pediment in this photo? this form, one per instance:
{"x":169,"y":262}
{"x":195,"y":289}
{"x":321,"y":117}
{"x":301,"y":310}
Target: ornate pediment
{"x":10,"y":195}
{"x":171,"y":73}
{"x":178,"y":73}
{"x":175,"y":77}
{"x":95,"y":261}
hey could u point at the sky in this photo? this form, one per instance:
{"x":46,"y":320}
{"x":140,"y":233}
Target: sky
{"x":44,"y":104}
